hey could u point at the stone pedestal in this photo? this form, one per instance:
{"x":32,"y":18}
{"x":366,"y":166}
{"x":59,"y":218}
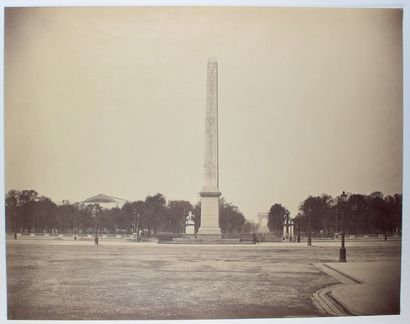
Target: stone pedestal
{"x":190,"y":227}
{"x":210,"y":214}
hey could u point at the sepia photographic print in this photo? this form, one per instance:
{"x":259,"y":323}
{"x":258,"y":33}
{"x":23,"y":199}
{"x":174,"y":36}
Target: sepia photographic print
{"x":203,"y":162}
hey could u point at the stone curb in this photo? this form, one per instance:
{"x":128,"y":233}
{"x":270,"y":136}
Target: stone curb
{"x":328,"y":302}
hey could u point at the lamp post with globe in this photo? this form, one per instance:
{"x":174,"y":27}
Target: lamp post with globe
{"x":309,"y":215}
{"x":94,"y":213}
{"x":342,"y":252}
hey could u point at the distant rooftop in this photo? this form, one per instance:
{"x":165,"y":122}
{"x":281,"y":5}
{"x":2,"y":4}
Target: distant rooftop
{"x":102,"y":198}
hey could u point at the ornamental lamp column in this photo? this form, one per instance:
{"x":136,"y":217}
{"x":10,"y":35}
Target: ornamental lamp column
{"x":94,"y":214}
{"x":309,"y":212}
{"x":342,"y":252}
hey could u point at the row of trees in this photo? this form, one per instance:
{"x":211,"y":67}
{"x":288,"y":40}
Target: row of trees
{"x":27,"y":211}
{"x":364,"y":214}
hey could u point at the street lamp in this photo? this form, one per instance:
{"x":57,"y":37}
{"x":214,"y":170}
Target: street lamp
{"x":95,"y":215}
{"x":342,"y":254}
{"x":135,"y":222}
{"x":309,"y":212}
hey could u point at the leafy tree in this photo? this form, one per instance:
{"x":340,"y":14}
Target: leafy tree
{"x":26,"y":210}
{"x":196,"y":216}
{"x":155,"y":213}
{"x":299,"y":223}
{"x":27,"y":199}
{"x":394,"y":212}
{"x":356,"y":214}
{"x":178,"y":211}
{"x":319,"y":209}
{"x":12,"y":215}
{"x":110,"y":220}
{"x":250,"y":227}
{"x":231,"y":219}
{"x":86,"y":219}
{"x":78,"y":216}
{"x":44,"y":214}
{"x":377,"y":210}
{"x":276,"y":217}
{"x":131,"y":210}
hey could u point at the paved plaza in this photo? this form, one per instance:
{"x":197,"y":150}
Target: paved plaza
{"x":126,"y":280}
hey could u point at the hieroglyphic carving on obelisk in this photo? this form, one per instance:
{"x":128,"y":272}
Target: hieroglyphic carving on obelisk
{"x":210,"y":191}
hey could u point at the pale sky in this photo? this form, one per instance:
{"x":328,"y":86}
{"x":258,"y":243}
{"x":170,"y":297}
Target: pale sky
{"x":112,"y":100}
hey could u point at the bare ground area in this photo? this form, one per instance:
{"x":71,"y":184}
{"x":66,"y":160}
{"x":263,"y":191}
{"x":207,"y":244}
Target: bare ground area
{"x":119,"y":280}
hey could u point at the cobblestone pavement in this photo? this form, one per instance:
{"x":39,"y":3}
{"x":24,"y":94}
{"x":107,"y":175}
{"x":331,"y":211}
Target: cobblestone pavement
{"x":120,"y":280}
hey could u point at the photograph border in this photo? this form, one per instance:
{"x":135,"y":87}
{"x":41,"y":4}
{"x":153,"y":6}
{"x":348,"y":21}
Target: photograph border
{"x":404,"y":317}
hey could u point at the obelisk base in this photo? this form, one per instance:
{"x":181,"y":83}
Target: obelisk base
{"x":209,"y":229}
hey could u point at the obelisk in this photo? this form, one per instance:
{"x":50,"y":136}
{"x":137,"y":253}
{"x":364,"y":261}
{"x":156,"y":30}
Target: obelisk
{"x":210,"y":191}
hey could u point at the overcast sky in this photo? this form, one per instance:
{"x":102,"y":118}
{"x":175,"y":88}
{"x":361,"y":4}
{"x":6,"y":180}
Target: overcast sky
{"x":112,"y":100}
